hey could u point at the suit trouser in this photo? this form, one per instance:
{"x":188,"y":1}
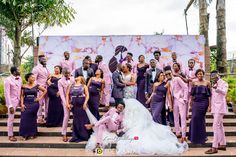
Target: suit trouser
{"x":65,"y":119}
{"x":179,"y":109}
{"x":218,"y":130}
{"x":102,"y":125}
{"x":43,"y":107}
{"x":10,"y":121}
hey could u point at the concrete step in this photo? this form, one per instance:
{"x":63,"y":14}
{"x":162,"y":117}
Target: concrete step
{"x":209,"y":122}
{"x":43,"y":152}
{"x":229,"y":115}
{"x":56,"y":142}
{"x":43,"y":131}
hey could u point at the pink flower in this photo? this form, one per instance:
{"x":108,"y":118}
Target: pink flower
{"x":136,"y":138}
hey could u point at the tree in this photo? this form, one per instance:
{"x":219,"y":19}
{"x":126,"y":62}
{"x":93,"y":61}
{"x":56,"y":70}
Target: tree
{"x":203,"y":27}
{"x":16,"y":16}
{"x":221,"y":36}
{"x":28,"y":64}
{"x":213,"y":57}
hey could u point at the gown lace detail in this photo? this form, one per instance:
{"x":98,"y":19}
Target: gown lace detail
{"x":129,"y":91}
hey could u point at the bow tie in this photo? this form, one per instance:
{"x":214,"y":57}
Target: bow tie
{"x":67,"y":78}
{"x":153,"y":70}
{"x":17,"y":78}
{"x":190,"y":69}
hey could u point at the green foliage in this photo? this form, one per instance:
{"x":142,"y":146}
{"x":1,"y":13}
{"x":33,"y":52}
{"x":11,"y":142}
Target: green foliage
{"x":16,"y":16}
{"x":2,"y":98}
{"x":3,"y":108}
{"x":213,"y":59}
{"x":28,"y":64}
{"x":27,"y":67}
{"x":231,"y":95}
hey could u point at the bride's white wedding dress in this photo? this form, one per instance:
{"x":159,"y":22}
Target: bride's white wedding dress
{"x":142,"y":134}
{"x":148,"y":137}
{"x":129,"y":91}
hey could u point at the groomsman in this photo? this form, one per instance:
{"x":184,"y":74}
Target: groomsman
{"x":118,"y":85}
{"x":105,"y":100}
{"x":174,"y":60}
{"x":179,"y":92}
{"x":12,"y":91}
{"x":129,"y":59}
{"x":160,"y":64}
{"x":63,"y":83}
{"x":218,"y":109}
{"x":150,"y":77}
{"x":190,"y":74}
{"x":41,"y":74}
{"x":67,"y":62}
{"x":110,"y":121}
{"x":92,"y":65}
{"x":85,"y":71}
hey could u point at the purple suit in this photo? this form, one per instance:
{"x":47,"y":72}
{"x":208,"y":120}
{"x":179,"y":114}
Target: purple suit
{"x":12,"y":91}
{"x":179,"y":92}
{"x":41,"y":75}
{"x":219,"y":108}
{"x":70,"y":64}
{"x":62,"y":87}
{"x":110,"y":121}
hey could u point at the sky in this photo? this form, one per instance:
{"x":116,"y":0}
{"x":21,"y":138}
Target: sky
{"x":143,"y":17}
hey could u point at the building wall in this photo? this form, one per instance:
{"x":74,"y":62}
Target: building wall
{"x":6,"y":47}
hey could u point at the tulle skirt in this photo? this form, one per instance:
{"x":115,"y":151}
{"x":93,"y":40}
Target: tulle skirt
{"x":142,"y":135}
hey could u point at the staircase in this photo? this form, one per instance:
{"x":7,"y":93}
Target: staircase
{"x":49,"y":141}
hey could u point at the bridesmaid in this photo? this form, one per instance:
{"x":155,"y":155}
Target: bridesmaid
{"x":29,"y":107}
{"x":55,"y":108}
{"x":96,"y":86}
{"x":77,"y":97}
{"x":199,"y":103}
{"x":158,"y":99}
{"x":141,"y":70}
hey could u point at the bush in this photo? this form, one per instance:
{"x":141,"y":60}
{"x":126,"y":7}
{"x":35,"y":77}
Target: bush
{"x":3,"y":108}
{"x":231,"y":95}
{"x":2,"y":98}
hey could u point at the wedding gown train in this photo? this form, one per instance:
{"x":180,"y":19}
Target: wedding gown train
{"x":142,"y":135}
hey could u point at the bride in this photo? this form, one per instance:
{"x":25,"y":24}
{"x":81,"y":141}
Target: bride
{"x":142,"y":135}
{"x":129,"y":80}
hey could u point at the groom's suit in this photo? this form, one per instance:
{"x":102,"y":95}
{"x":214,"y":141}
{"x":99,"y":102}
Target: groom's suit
{"x":118,"y":86}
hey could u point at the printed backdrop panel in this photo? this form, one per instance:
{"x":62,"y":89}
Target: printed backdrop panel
{"x":186,"y":47}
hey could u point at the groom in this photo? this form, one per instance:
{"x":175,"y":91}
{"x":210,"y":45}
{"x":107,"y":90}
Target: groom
{"x":111,"y":121}
{"x":118,"y":85}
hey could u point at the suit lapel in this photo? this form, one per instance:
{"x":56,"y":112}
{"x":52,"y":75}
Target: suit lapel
{"x":81,"y":71}
{"x":14,"y":81}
